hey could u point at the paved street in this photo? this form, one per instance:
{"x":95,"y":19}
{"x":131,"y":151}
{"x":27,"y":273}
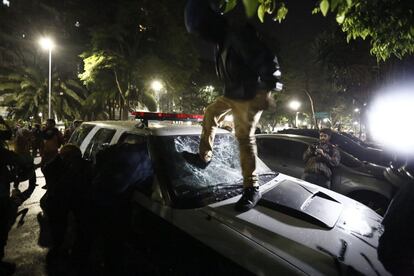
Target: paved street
{"x":22,"y":247}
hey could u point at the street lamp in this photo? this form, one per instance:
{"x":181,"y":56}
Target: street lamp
{"x":294,"y":105}
{"x":157,"y":86}
{"x":48,"y":44}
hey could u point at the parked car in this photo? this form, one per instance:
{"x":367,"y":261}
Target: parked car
{"x":353,"y":178}
{"x":361,"y":142}
{"x":363,"y":153}
{"x":400,"y":171}
{"x":187,"y":216}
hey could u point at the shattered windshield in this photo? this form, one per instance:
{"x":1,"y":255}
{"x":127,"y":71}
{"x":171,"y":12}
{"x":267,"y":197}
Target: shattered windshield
{"x":221,"y":179}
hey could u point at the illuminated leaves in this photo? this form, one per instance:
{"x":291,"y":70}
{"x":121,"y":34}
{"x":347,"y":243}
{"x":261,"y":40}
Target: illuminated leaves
{"x":324,"y":5}
{"x":229,"y":5}
{"x":281,"y":13}
{"x":250,"y":6}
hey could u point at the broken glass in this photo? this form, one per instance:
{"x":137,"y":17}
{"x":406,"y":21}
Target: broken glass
{"x":222,"y":175}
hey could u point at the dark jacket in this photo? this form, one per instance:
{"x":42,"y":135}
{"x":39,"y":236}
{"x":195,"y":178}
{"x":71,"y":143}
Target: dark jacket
{"x":243,"y":62}
{"x":119,"y":170}
{"x":395,"y":246}
{"x":9,"y":168}
{"x":321,"y":164}
{"x":69,"y":182}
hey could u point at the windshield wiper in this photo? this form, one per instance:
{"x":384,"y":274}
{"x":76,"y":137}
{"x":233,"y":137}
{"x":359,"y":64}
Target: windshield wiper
{"x":212,"y":189}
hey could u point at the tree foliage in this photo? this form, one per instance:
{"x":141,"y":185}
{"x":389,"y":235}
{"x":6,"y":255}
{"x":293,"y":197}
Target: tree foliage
{"x":142,"y":41}
{"x":388,"y":25}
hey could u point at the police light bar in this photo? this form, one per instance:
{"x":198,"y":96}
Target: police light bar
{"x":159,"y":116}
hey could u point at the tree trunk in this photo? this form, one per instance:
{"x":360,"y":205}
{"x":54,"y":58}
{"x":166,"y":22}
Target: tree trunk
{"x":312,"y":108}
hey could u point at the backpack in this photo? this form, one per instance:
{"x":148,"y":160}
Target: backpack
{"x":245,"y":64}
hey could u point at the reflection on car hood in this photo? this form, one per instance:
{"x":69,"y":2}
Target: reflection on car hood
{"x":314,"y":229}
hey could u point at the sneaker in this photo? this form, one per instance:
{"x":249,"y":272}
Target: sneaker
{"x":195,"y":159}
{"x":248,"y":200}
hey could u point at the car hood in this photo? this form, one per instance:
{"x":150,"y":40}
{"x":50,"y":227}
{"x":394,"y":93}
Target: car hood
{"x":314,"y":229}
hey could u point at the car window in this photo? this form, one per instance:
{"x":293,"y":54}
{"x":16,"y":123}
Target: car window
{"x":281,"y":148}
{"x":122,"y":167}
{"x":101,"y":137}
{"x":80,"y":133}
{"x":131,"y":138}
{"x":270,"y":147}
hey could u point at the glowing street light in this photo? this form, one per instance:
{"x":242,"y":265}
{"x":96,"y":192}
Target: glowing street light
{"x":156,"y":85}
{"x":294,"y":105}
{"x":356,"y":110}
{"x":48,"y":44}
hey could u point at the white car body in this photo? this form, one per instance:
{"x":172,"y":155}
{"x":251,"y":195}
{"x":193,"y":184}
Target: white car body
{"x":296,"y":229}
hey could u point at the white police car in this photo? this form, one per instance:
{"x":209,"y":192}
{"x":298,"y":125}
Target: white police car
{"x":296,"y":229}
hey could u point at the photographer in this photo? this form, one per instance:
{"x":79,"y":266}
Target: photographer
{"x":320,"y":159}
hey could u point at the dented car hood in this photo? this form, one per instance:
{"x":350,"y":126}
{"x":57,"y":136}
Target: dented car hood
{"x":312,"y":228}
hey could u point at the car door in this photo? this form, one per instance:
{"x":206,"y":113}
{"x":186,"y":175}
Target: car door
{"x":101,"y":138}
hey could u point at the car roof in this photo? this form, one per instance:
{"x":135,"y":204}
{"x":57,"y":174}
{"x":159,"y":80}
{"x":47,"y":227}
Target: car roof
{"x":292,"y":137}
{"x":155,"y":128}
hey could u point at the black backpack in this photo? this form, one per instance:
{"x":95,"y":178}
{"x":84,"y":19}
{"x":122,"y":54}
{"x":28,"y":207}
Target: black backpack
{"x":245,"y":64}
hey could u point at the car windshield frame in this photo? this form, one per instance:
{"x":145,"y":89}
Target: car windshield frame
{"x":191,"y":187}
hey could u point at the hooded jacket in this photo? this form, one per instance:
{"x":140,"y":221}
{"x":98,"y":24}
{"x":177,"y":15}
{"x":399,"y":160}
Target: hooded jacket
{"x":243,"y":62}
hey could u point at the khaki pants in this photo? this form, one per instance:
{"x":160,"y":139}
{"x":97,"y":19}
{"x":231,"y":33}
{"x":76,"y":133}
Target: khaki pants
{"x":246,"y":114}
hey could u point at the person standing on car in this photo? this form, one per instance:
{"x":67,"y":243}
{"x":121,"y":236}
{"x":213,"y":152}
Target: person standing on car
{"x":321,"y":158}
{"x":249,"y":71}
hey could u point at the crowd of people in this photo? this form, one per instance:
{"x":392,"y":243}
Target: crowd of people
{"x":17,"y":165}
{"x":86,"y":218}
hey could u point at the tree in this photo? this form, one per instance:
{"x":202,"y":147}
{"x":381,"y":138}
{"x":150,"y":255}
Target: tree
{"x":29,"y":88}
{"x":23,"y":70}
{"x":387,"y":24}
{"x":140,"y":41}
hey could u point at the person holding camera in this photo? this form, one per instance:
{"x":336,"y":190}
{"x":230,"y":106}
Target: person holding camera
{"x":320,"y":160}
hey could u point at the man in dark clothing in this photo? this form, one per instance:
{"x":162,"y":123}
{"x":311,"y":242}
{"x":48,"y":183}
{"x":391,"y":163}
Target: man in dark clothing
{"x":69,"y":189}
{"x":9,"y":163}
{"x":321,"y":159}
{"x":53,"y":139}
{"x":120,"y":169}
{"x":37,"y":140}
{"x":69,"y":131}
{"x":396,"y":245}
{"x":249,"y":71}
